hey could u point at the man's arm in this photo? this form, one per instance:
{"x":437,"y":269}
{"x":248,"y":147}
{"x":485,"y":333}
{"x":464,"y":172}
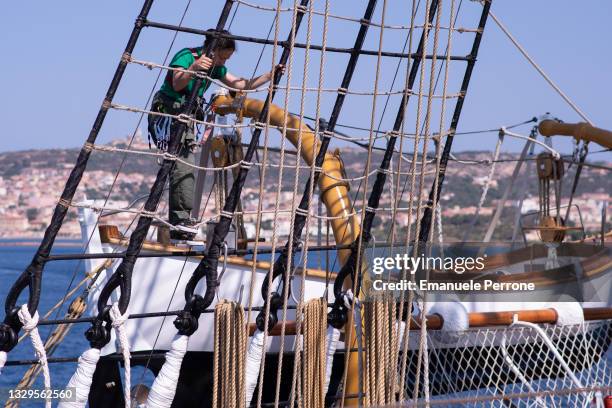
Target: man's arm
{"x":242,"y":83}
{"x":181,"y":79}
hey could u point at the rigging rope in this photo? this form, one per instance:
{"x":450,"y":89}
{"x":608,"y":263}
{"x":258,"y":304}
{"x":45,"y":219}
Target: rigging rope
{"x":76,"y":310}
{"x":546,"y":77}
{"x":118,"y":320}
{"x":30,"y":324}
{"x":485,"y":187}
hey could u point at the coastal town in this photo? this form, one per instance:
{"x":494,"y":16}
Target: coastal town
{"x":31,"y":182}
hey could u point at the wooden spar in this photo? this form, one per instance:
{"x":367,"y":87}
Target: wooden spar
{"x":479,"y":319}
{"x":580,"y":131}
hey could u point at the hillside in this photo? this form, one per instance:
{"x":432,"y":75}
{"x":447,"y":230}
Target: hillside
{"x":31,"y":181}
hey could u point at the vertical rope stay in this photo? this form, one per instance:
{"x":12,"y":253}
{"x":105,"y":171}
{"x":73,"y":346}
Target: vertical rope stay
{"x":296,"y":380}
{"x":422,"y":360}
{"x":287,"y":271}
{"x":257,"y":345}
{"x":404,"y":340}
{"x":289,"y":266}
{"x":354,"y":260}
{"x":265,"y":114}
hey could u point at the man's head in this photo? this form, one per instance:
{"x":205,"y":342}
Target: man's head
{"x":224,"y":47}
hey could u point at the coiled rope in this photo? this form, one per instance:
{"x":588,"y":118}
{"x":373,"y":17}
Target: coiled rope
{"x":380,"y":330}
{"x":229,"y":385}
{"x":313,"y":371}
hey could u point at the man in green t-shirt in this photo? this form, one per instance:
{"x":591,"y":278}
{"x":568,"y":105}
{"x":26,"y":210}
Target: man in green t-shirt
{"x":170,"y":99}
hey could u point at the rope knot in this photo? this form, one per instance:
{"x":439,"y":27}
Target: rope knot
{"x":64,"y":203}
{"x":227,"y":214}
{"x":348,"y":299}
{"x":169,"y":156}
{"x":246,"y":165}
{"x":301,"y":212}
{"x":259,"y":125}
{"x":184,"y":118}
{"x":117,"y":319}
{"x":29,"y":322}
{"x":149,"y":214}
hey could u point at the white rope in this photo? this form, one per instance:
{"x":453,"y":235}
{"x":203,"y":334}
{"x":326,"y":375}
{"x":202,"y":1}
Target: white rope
{"x":118,"y":323}
{"x":331,"y":344}
{"x":253,"y":361}
{"x":29,"y":326}
{"x":82,"y":378}
{"x":163,"y":390}
{"x":555,"y":153}
{"x":539,"y":69}
{"x":2,"y":360}
{"x":440,"y":231}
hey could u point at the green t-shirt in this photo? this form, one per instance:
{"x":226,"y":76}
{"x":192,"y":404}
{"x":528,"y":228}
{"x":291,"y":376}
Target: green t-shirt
{"x":183,"y":59}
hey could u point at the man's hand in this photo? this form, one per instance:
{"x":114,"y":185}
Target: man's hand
{"x":201,"y":64}
{"x":279,"y":70}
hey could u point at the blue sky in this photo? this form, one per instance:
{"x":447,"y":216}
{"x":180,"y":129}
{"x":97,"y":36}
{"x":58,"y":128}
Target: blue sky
{"x":58,"y":59}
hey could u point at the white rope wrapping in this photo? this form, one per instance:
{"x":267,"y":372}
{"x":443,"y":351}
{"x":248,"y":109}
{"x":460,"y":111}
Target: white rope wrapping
{"x":29,"y":326}
{"x":331,"y":343}
{"x":82,"y":378}
{"x":2,"y":360}
{"x":163,"y":390}
{"x":118,"y":321}
{"x":253,"y":361}
{"x":400,"y":330}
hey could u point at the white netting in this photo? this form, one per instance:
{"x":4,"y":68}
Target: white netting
{"x":474,"y":371}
